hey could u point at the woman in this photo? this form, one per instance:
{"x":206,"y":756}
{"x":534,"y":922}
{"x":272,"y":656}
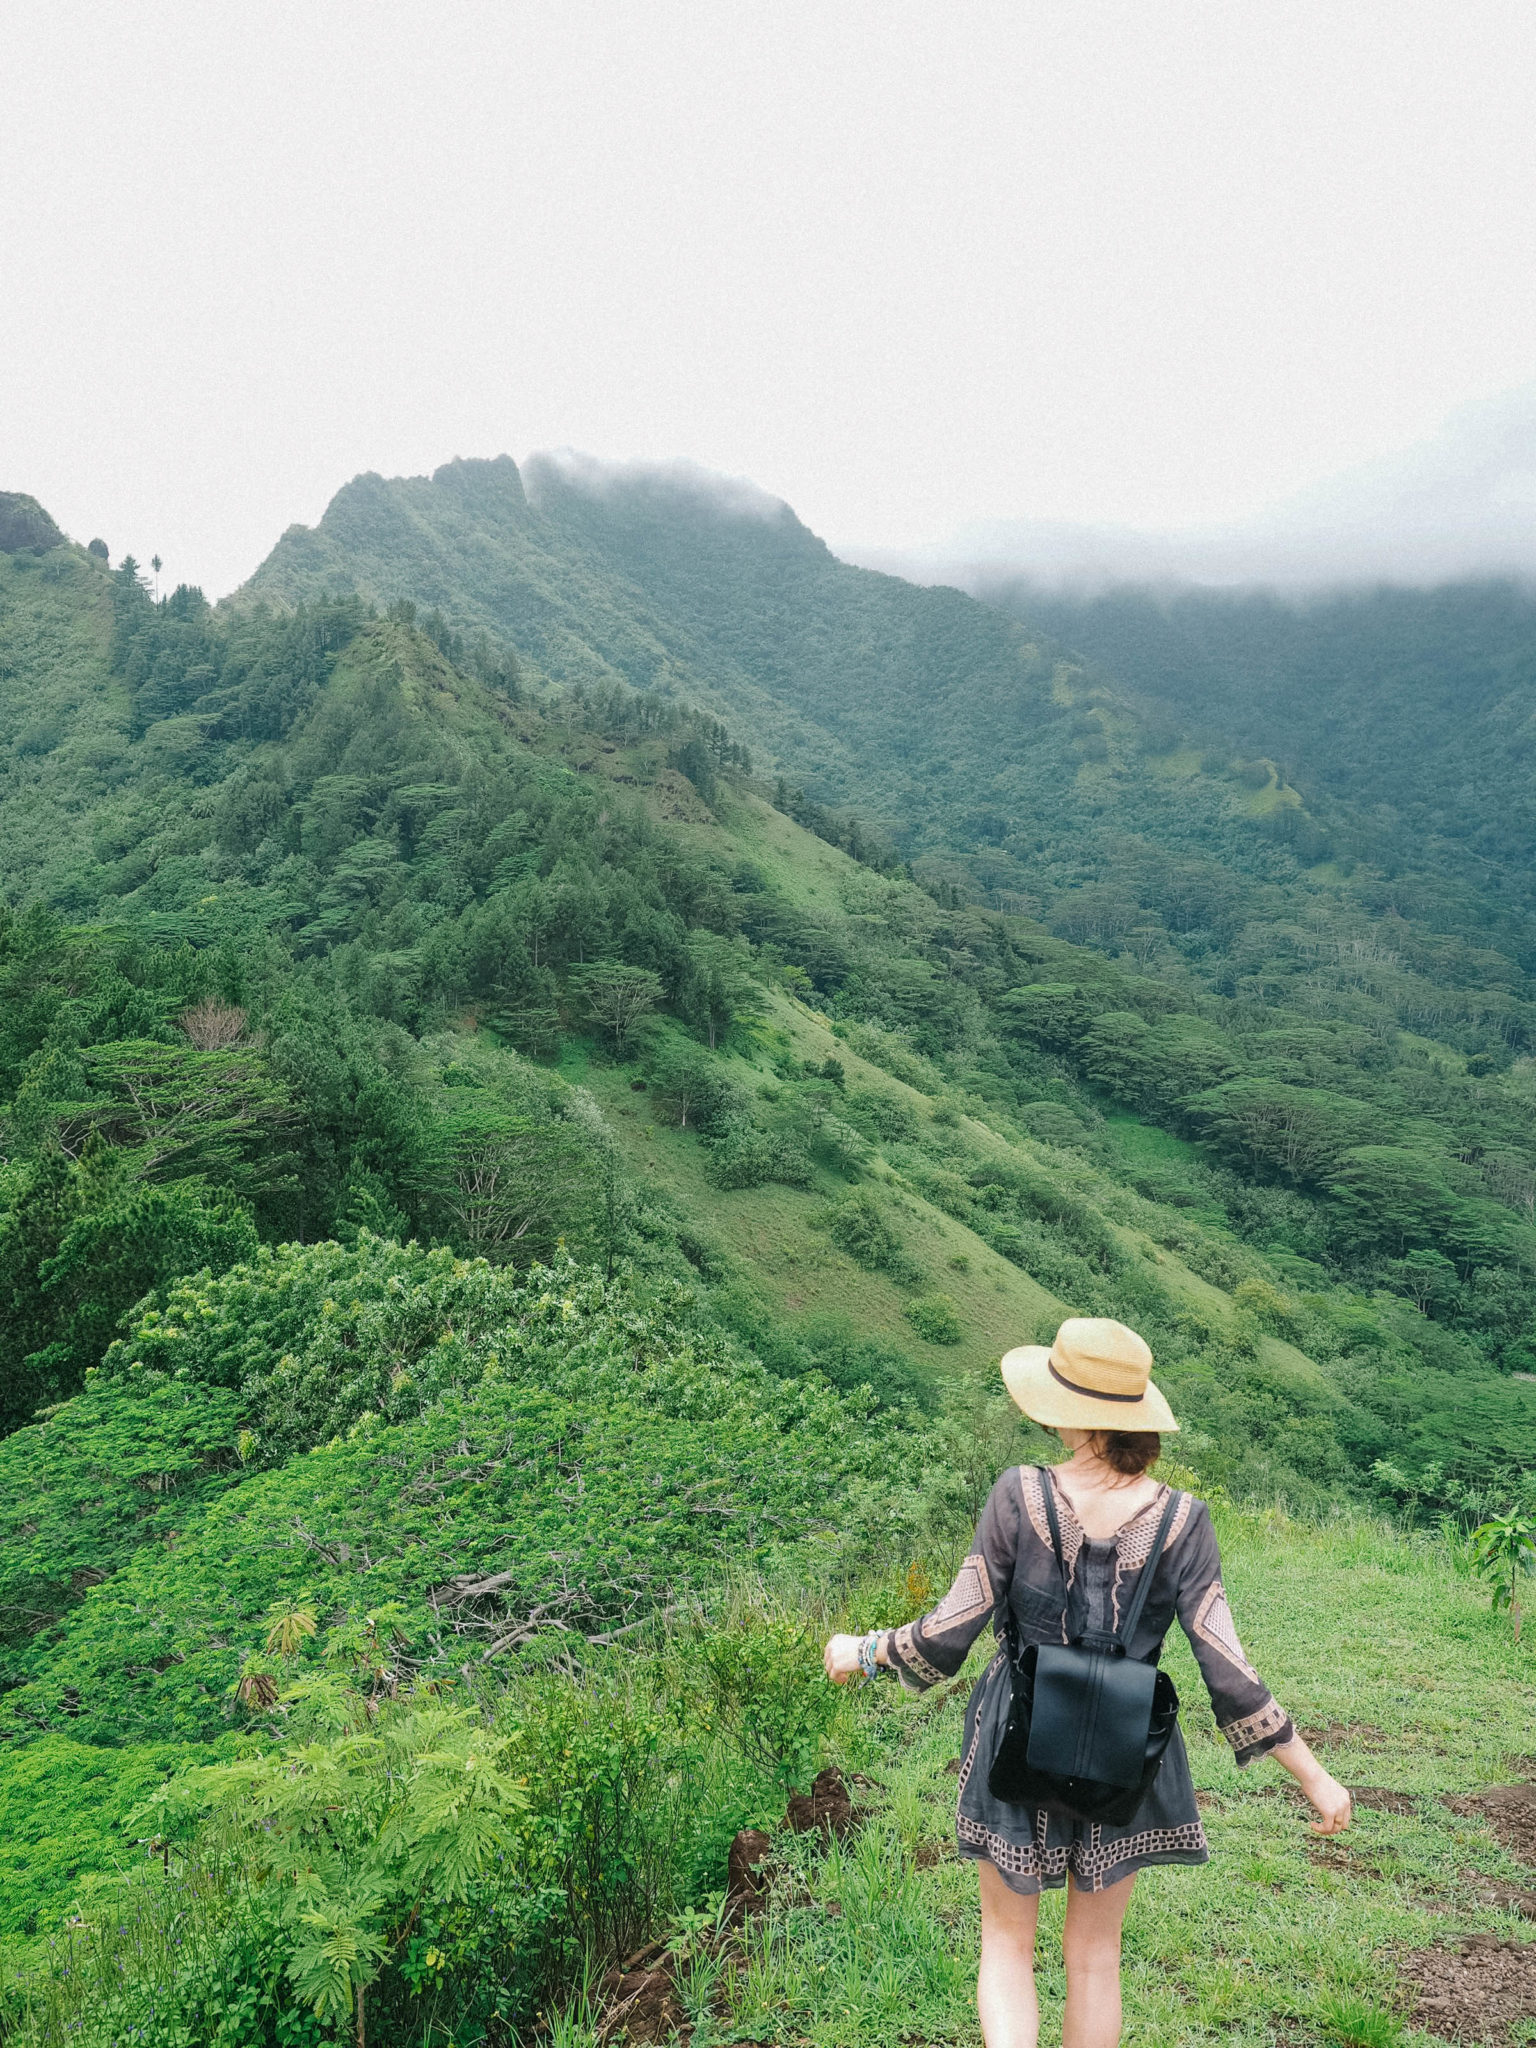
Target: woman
{"x":1093,"y":1387}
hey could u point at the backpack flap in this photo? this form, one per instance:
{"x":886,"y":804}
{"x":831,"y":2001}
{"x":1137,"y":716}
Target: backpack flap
{"x":1091,"y":1714}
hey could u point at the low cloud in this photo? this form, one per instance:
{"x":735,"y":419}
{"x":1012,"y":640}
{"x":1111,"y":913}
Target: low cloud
{"x":567,"y":469}
{"x":1460,"y":505}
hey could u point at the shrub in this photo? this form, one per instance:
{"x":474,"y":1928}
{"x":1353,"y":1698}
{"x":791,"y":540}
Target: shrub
{"x":935,"y":1318}
{"x":882,"y":1114}
{"x":762,"y":1672}
{"x":861,"y":1227}
{"x":743,"y":1155}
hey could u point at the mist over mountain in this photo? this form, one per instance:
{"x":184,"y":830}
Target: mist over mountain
{"x":1461,"y":504}
{"x":972,"y":731}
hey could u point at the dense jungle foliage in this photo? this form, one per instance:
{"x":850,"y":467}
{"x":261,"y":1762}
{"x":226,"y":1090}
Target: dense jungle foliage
{"x":512,"y":1192}
{"x":1404,"y":715}
{"x":1338,"y":1014}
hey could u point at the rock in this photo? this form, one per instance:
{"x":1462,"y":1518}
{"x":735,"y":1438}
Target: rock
{"x":25,"y":528}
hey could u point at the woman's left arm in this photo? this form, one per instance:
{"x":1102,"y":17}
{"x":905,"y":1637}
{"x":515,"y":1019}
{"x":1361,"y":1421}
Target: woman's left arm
{"x":934,"y":1647}
{"x":1329,"y":1799}
{"x":1247,"y":1713}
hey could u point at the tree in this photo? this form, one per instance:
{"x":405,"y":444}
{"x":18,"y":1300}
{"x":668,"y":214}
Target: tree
{"x":686,"y":1083}
{"x":721,"y":991}
{"x":616,"y":997}
{"x":503,"y":1179}
{"x":1269,"y":1127}
{"x":176,"y":1109}
{"x":1503,"y":1552}
{"x":1051,"y":1014}
{"x":213,"y":1026}
{"x":1427,"y":1278}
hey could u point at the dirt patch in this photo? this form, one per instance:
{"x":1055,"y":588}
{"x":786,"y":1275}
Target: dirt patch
{"x":827,"y":1808}
{"x":746,"y":1873}
{"x":1329,"y":1854}
{"x":952,"y":1768}
{"x":1378,"y":1799}
{"x":928,"y":1854}
{"x":642,"y":2005}
{"x":1504,"y":1898}
{"x":1477,"y":1992}
{"x":1346,"y":1735}
{"x":1510,"y":1810}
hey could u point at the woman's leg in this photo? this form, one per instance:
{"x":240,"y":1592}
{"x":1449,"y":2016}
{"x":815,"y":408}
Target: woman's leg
{"x":1090,"y":1946}
{"x":1005,"y":1984}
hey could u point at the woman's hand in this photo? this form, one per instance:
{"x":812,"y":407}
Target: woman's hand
{"x":1331,"y":1802}
{"x":840,"y":1659}
{"x":1328,"y":1798}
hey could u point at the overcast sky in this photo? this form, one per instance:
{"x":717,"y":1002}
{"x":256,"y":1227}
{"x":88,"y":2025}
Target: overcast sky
{"x":910,"y":266}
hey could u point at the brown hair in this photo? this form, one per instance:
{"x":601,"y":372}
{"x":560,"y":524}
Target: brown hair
{"x":1129,"y":1451}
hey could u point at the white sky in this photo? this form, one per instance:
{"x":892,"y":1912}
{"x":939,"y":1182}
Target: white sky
{"x":908,"y":265}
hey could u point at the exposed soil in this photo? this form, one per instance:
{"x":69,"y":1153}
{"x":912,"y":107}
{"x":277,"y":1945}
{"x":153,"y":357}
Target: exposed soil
{"x":642,"y":2005}
{"x":827,"y":1807}
{"x":1346,"y":1735}
{"x":930,"y":1853}
{"x":1504,"y":1898}
{"x":1510,"y":1810}
{"x":1378,"y":1799}
{"x":640,"y":2001}
{"x":1476,"y":1992}
{"x":746,"y":1878}
{"x":952,"y":1768}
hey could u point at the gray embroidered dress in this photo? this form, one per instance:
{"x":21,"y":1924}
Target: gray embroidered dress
{"x":1012,"y":1558}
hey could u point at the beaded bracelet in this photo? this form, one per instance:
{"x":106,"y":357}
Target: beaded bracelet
{"x":867,"y":1649}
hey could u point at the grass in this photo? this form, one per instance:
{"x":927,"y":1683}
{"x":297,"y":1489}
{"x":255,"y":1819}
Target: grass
{"x":771,"y":1234}
{"x":1279,"y":1937}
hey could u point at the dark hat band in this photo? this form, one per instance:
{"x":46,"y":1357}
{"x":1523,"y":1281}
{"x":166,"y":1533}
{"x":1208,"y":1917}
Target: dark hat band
{"x":1092,"y":1393}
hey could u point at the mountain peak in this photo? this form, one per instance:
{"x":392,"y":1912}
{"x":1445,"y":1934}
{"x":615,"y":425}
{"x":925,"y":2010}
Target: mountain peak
{"x":25,"y":527}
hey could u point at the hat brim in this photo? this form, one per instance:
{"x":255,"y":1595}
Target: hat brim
{"x":1027,"y":1376}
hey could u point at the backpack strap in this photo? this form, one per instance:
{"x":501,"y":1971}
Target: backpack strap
{"x":1048,"y":1488}
{"x":1127,"y":1628}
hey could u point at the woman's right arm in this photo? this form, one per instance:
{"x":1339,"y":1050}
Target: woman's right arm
{"x":934,"y":1647}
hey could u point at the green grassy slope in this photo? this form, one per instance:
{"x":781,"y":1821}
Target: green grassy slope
{"x":399,"y":817}
{"x":1406,"y":1684}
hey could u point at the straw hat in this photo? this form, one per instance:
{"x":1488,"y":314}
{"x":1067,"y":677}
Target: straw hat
{"x":1097,"y":1375}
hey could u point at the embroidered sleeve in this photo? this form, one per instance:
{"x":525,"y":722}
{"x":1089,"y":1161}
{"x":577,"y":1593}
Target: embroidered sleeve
{"x":1246,"y":1712}
{"x":933,"y":1648}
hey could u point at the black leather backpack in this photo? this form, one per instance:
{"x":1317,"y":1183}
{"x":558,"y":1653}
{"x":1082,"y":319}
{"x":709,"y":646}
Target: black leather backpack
{"x":1088,"y":1725}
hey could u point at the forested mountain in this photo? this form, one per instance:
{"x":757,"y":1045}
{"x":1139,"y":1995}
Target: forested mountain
{"x":496,"y":1148}
{"x":1407,"y":718}
{"x":1357,"y":992}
